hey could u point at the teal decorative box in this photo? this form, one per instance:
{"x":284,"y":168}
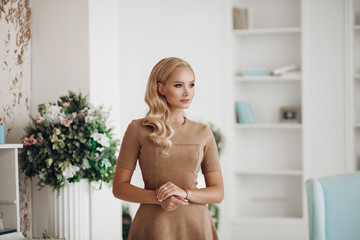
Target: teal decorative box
{"x":2,"y":134}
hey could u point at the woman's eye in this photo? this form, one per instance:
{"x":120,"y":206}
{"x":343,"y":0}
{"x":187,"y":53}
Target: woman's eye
{"x":192,"y":85}
{"x":177,"y":85}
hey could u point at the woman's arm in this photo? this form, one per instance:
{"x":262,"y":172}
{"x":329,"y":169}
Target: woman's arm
{"x":122,"y":189}
{"x":213,"y":193}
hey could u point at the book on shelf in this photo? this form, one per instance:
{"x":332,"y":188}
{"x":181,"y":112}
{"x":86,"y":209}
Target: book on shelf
{"x":294,"y":74}
{"x":255,"y":72}
{"x":241,"y":18}
{"x":244,"y":112}
{"x":284,"y":69}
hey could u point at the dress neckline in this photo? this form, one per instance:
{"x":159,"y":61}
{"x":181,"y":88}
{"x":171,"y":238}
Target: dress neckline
{"x":177,"y":127}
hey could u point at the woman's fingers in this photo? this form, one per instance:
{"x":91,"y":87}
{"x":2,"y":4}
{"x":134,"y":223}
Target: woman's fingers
{"x":168,"y":189}
{"x":165,"y":191}
{"x":173,"y":203}
{"x":180,"y":202}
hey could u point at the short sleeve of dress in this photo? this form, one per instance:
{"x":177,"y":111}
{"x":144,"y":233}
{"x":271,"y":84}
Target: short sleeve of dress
{"x":210,"y":162}
{"x":130,"y":146}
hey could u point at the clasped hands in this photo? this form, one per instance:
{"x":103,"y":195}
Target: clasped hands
{"x":171,"y":196}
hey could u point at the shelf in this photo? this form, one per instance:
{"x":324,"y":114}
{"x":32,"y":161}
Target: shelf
{"x":7,"y":231}
{"x":266,"y":31}
{"x":269,"y":126}
{"x":287,"y":221}
{"x":268,"y":79}
{"x":10,"y":146}
{"x":8,"y":202}
{"x":271,"y":172}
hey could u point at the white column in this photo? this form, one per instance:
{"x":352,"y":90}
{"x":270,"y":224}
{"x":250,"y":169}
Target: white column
{"x":104,"y":88}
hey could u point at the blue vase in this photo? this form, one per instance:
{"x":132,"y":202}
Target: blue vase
{"x":2,"y":134}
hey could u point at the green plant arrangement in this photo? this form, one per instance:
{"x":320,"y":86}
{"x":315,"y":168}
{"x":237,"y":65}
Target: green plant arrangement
{"x":219,"y":139}
{"x":68,"y":141}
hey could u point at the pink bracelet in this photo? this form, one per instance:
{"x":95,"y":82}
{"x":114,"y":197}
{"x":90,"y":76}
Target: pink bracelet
{"x":187,"y":194}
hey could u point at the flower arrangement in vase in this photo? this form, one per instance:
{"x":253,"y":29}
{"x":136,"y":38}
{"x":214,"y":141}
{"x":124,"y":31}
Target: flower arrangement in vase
{"x":67,"y":141}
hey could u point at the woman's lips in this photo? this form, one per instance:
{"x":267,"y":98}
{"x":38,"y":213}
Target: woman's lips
{"x":185,"y":100}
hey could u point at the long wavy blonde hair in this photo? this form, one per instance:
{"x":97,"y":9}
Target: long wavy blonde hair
{"x":159,"y":111}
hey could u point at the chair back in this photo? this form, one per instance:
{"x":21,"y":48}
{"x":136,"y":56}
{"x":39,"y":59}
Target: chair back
{"x":334,"y":207}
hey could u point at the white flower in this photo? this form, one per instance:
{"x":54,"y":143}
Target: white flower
{"x":42,"y":174}
{"x":101,"y":139}
{"x":52,"y":114}
{"x":85,"y":164}
{"x":29,"y":157}
{"x":58,"y":176}
{"x":105,"y":162}
{"x":96,"y":184}
{"x":100,"y":149}
{"x":90,"y":118}
{"x":70,"y":171}
{"x":47,"y":105}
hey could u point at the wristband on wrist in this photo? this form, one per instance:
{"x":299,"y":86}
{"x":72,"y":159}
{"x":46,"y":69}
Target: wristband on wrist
{"x":187,"y":193}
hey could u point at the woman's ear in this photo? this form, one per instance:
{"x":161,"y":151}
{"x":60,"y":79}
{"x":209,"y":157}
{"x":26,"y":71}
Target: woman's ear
{"x":160,"y":88}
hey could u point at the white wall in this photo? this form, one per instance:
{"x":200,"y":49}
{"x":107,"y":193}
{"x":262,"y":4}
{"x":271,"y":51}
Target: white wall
{"x":324,"y":87}
{"x":152,"y":30}
{"x":60,"y":49}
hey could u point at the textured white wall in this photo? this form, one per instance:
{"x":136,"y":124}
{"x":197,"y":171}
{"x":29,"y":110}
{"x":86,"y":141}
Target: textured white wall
{"x":15,"y":80}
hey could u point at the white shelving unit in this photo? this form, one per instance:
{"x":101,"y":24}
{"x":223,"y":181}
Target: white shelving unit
{"x":266,"y":31}
{"x":9,"y":191}
{"x":267,"y":169}
{"x":353,"y":25}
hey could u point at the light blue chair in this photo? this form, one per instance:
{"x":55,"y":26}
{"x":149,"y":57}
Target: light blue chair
{"x":334,"y":207}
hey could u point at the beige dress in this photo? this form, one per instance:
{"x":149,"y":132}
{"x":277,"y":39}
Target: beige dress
{"x":194,"y":148}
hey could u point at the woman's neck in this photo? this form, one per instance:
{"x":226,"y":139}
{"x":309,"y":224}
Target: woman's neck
{"x":176,"y":117}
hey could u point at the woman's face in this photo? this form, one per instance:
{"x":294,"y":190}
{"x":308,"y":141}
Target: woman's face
{"x":179,"y":89}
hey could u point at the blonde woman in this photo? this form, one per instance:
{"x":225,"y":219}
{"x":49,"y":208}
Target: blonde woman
{"x":171,"y":150}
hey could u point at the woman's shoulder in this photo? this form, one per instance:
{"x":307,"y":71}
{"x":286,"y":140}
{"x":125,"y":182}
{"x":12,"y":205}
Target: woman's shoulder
{"x":138,"y":122}
{"x":198,"y":127}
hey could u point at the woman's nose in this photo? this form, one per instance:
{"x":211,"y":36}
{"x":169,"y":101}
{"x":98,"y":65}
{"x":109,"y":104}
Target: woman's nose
{"x":186,"y":91}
